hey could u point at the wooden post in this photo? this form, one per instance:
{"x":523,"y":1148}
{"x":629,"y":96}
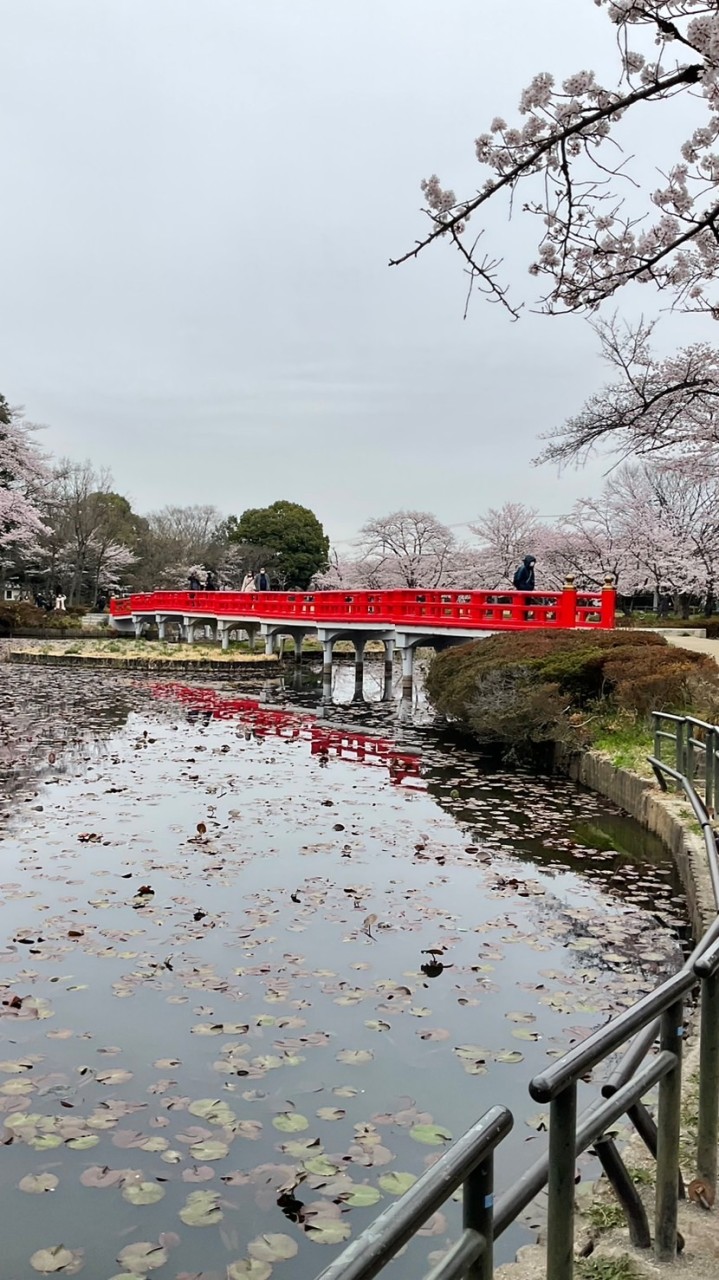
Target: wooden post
{"x":567,"y":610}
{"x":609,"y":603}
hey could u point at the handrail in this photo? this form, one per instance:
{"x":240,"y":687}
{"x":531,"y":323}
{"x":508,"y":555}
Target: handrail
{"x":469,"y":610}
{"x":468,"y":1161}
{"x":660,"y":1012}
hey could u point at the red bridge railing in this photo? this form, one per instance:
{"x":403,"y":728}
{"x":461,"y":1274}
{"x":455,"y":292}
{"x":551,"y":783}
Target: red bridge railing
{"x":473,"y":610}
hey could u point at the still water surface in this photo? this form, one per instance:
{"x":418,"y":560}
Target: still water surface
{"x":259,"y":962}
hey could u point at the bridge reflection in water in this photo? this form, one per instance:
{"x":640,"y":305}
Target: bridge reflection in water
{"x":324,"y":740}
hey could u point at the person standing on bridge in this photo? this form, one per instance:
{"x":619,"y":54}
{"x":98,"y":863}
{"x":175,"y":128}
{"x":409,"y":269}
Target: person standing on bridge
{"x":523,"y":579}
{"x":248,"y":582}
{"x":194,"y":581}
{"x":262,"y":582}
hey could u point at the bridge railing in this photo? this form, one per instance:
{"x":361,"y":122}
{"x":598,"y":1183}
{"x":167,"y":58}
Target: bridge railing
{"x":474,"y":610}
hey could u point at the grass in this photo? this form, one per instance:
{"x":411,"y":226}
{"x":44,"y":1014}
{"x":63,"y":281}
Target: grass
{"x":150,"y":649}
{"x":604,"y":1215}
{"x":621,"y":1268}
{"x":627,"y":741}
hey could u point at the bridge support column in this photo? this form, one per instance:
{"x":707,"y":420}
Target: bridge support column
{"x":298,"y":637}
{"x":188,"y":628}
{"x":139,"y":625}
{"x":161,"y":627}
{"x":327,"y":685}
{"x":223,"y":633}
{"x":359,"y":645}
{"x":269,"y":644}
{"x":407,"y":670}
{"x":388,"y":660}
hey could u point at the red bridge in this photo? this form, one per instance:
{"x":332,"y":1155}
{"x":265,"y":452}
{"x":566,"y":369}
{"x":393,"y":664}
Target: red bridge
{"x":401,"y":619}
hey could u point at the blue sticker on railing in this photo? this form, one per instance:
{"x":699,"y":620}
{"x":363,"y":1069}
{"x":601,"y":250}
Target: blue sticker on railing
{"x":488,"y":1202}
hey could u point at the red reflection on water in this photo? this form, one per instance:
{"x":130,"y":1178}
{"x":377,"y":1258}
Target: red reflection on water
{"x":347,"y":744}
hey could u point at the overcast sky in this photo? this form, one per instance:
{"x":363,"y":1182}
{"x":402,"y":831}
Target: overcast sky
{"x":200,"y":198}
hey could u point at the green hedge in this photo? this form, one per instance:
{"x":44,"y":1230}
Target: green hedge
{"x":526,"y":688}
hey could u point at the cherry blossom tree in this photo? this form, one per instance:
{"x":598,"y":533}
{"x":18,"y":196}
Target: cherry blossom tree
{"x":405,"y":548}
{"x":601,"y":224}
{"x":666,"y":408}
{"x":89,"y":529}
{"x":23,"y":476}
{"x":506,"y":535}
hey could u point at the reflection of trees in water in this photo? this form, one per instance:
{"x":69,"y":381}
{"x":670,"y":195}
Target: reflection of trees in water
{"x":52,"y":720}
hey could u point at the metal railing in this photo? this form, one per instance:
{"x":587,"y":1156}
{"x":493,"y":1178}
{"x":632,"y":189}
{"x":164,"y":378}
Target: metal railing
{"x":660,"y":1014}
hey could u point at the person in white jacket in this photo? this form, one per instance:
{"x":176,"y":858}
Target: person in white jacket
{"x":248,"y":582}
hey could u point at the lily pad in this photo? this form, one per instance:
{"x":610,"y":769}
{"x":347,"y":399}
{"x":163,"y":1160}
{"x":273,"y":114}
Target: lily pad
{"x":395,"y":1183}
{"x":37,"y":1183}
{"x":201,"y":1209}
{"x":432,"y":1135}
{"x":249,"y":1269}
{"x":143,"y":1192}
{"x":362,"y":1196}
{"x":355,"y":1057}
{"x":213,"y":1111}
{"x":272,"y":1247}
{"x":290,"y":1122}
{"x":209,"y":1149}
{"x":141,"y":1257}
{"x":57,"y":1258}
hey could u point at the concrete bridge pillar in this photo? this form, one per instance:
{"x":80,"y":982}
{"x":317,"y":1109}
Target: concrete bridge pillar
{"x":298,"y":637}
{"x":188,"y":630}
{"x":223,"y":633}
{"x":270,"y":643}
{"x":359,"y":645}
{"x":388,"y":660}
{"x":327,"y":684}
{"x":161,"y":626}
{"x":407,"y":670}
{"x":139,"y":625}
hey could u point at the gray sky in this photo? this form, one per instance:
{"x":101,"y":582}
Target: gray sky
{"x":199,"y":201}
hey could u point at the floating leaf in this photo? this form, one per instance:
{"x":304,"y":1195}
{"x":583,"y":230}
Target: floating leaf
{"x":432,"y":1135}
{"x":201,"y":1209}
{"x":331,"y":1113}
{"x":249,"y":1269}
{"x":118,"y":1076}
{"x":395,"y":1184}
{"x":322,"y":1166}
{"x":355,"y":1057}
{"x":141,"y":1257}
{"x":143,"y":1192}
{"x":272,"y":1248}
{"x":509,"y":1056}
{"x":213,"y":1111}
{"x":37,"y":1183}
{"x":209,"y":1149}
{"x":362,"y":1196}
{"x":290,"y":1122}
{"x":57,"y":1258}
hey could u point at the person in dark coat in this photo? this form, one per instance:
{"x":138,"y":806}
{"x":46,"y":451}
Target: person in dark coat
{"x":523,"y":579}
{"x":194,"y":581}
{"x":262,"y":582}
{"x":211,"y":583}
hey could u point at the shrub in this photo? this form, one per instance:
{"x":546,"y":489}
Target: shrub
{"x":20,"y":615}
{"x":521,"y":688}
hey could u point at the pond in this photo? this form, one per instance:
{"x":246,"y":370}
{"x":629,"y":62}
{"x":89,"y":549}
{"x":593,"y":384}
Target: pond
{"x":263,"y":956}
